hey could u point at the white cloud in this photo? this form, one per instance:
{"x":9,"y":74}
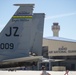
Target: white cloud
{"x":60,"y":16}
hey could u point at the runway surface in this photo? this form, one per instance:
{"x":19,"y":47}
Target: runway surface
{"x":35,"y":72}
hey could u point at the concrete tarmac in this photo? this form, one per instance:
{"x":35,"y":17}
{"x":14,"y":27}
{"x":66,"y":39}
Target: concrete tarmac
{"x":35,"y":72}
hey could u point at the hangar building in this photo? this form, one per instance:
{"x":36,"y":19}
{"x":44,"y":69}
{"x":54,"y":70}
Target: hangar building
{"x":60,"y":48}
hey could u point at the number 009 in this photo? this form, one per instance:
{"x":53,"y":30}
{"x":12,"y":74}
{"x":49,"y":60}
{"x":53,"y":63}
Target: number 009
{"x":6,"y":45}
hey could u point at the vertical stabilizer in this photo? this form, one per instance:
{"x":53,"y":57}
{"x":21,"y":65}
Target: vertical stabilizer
{"x":22,"y":34}
{"x":37,"y":33}
{"x":15,"y":37}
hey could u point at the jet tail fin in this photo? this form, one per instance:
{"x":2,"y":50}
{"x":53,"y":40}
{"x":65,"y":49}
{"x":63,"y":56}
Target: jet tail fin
{"x":22,"y":34}
{"x":15,"y":37}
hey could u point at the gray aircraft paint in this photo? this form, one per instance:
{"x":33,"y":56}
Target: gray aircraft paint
{"x":23,"y":33}
{"x":37,"y":33}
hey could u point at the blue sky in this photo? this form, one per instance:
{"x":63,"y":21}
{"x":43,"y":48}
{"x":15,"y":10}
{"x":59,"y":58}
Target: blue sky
{"x":61,"y":11}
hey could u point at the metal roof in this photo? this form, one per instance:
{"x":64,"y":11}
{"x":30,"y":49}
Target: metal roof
{"x":60,"y":39}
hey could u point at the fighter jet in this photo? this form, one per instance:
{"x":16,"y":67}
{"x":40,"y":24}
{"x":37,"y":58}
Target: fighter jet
{"x":22,"y":36}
